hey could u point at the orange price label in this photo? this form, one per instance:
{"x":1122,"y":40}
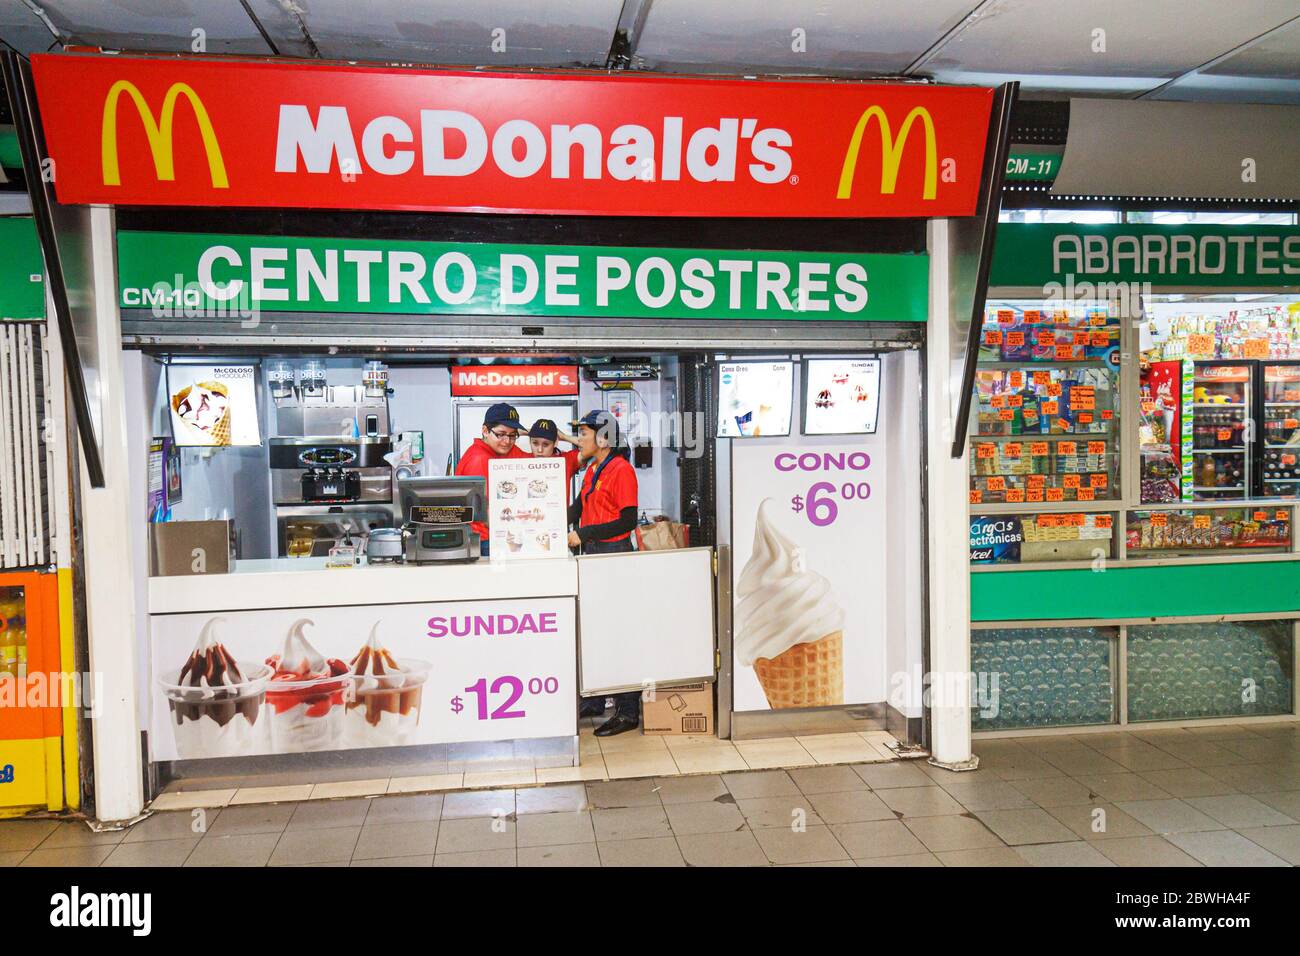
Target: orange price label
{"x":1017,"y":379}
{"x":985,"y":450}
{"x":976,"y":497}
{"x":1016,"y":401}
{"x":1260,"y":516}
{"x":1077,"y":521}
{"x":1065,"y":353}
{"x":1099,"y":340}
{"x":1096,"y":448}
{"x":1290,"y":423}
{"x":1200,"y":343}
{"x":1288,"y":460}
{"x":1035,"y":481}
{"x":1015,"y":495}
{"x":1049,"y":521}
{"x":1098,"y":480}
{"x":1256,"y":348}
{"x":1042,"y":378}
{"x":1148,"y":408}
{"x":1281,"y":515}
{"x":1086,"y":494}
{"x":1032,"y":316}
{"x":998,"y":401}
{"x":1159,"y":519}
{"x":1103,"y":521}
{"x":1011,"y":449}
{"x":1015,"y":339}
{"x":1034,"y":494}
{"x":1082,"y":397}
{"x":1054,"y":389}
{"x":1063,"y":425}
{"x":1049,"y":408}
{"x":1070,"y":481}
{"x":1096,"y":320}
{"x":1006,"y":317}
{"x":996,"y":483}
{"x":992,"y":337}
{"x":1067,"y":448}
{"x":1038,"y":448}
{"x":1081,"y":338}
{"x":1007,"y":415}
{"x":1224,"y":434}
{"x":1085,"y":418}
{"x":1046,"y":337}
{"x":1201,"y":521}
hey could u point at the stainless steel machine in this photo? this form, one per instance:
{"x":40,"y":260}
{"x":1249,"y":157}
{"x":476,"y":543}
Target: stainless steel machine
{"x":437,"y":515}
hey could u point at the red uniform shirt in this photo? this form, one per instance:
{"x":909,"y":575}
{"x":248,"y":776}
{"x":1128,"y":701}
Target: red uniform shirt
{"x":614,"y":491}
{"x":474,"y":464}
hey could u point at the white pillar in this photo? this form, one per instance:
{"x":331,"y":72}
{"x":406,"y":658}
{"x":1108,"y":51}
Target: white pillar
{"x":107,"y":558}
{"x":948,"y":521}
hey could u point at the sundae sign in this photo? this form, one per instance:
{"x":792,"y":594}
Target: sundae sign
{"x":180,"y":132}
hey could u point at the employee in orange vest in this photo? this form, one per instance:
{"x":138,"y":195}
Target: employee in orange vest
{"x":500,"y":434}
{"x":542,"y":438}
{"x":604,"y":514}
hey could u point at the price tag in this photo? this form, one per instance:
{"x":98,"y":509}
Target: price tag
{"x":1260,"y":516}
{"x":1016,"y":401}
{"x":1067,"y":448}
{"x":1077,"y":521}
{"x":1032,"y":316}
{"x":1096,"y":448}
{"x":1082,"y":398}
{"x":1054,"y":389}
{"x":1085,"y":494}
{"x":1017,"y":378}
{"x":1049,"y":408}
{"x":976,"y":497}
{"x":1224,"y":434}
{"x":1049,"y":521}
{"x":1064,"y":425}
{"x":1065,"y":353}
{"x":993,"y":337}
{"x":1070,"y":481}
{"x":1099,"y":340}
{"x":1098,"y":480}
{"x":1107,"y":414}
{"x":1288,"y":460}
{"x":1097,"y":318}
{"x":1042,"y":378}
{"x":1007,"y":415}
{"x":1011,"y":449}
{"x":1256,"y":348}
{"x":1006,"y":317}
{"x":1281,"y":515}
{"x":1038,"y":448}
{"x":1015,"y":495}
{"x":1046,"y":338}
{"x":1159,"y":519}
{"x":996,"y":483}
{"x":1290,"y":423}
{"x":1103,"y":521}
{"x":1015,"y":339}
{"x":1085,"y":418}
{"x":1034,"y":494}
{"x":1201,"y":521}
{"x":1081,"y":338}
{"x":1199,"y":343}
{"x":1148,"y":408}
{"x":985,"y":450}
{"x":998,"y":401}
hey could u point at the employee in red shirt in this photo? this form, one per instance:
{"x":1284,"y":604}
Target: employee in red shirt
{"x":500,"y":434}
{"x":605,"y":516}
{"x":542,"y":438}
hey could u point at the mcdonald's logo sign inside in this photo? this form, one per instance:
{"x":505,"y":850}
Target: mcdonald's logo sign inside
{"x":160,"y":133}
{"x":891,"y":152}
{"x":297,"y":135}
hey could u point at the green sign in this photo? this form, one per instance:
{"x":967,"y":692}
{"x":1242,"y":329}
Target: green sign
{"x":1034,"y":254}
{"x":22,"y":270}
{"x":196,"y":275}
{"x":1027,"y":163}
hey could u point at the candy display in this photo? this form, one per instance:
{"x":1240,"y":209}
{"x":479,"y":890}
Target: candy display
{"x":1162,"y":532}
{"x":305,"y":695}
{"x":384,"y":705}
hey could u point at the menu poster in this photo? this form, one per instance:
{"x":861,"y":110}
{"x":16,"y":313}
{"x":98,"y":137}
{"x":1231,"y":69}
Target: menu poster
{"x":755,"y":399}
{"x":841,"y":396}
{"x":527,"y":508}
{"x":213,"y":405}
{"x":164,"y":477}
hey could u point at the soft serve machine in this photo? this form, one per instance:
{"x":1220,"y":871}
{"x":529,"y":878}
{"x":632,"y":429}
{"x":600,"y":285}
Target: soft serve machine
{"x":329,"y":480}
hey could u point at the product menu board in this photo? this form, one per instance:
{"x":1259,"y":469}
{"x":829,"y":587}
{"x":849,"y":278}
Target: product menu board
{"x":841,"y":396}
{"x":213,"y":404}
{"x":755,"y":399}
{"x":527,"y":508}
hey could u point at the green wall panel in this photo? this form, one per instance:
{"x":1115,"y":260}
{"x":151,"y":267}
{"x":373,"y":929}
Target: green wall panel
{"x":1172,"y":590}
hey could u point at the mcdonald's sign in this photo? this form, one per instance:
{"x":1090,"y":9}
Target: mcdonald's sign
{"x":324,"y":136}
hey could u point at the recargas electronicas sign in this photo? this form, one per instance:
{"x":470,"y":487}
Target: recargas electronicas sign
{"x":178,"y":132}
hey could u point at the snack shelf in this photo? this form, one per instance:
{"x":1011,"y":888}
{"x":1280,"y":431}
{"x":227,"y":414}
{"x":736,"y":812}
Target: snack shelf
{"x":1218,"y":451}
{"x":1282,"y":404}
{"x":1217,"y":404}
{"x":1219,"y":488}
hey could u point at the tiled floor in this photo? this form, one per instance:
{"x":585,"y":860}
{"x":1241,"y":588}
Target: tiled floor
{"x":1201,"y":797}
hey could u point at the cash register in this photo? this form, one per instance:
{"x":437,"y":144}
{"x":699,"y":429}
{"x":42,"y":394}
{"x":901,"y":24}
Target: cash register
{"x":436,"y":516}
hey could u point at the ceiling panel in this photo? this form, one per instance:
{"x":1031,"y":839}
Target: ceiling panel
{"x":1151,"y":39}
{"x":1276,"y":55}
{"x":22,"y":29}
{"x":537,"y":33}
{"x":157,"y":25}
{"x":839,"y":36}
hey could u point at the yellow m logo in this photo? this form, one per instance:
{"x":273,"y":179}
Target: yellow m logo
{"x":891,"y":151}
{"x":159,"y":133}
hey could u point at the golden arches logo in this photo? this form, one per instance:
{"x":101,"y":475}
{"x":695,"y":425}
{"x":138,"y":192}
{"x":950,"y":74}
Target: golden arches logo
{"x":891,"y":151}
{"x":159,"y":133}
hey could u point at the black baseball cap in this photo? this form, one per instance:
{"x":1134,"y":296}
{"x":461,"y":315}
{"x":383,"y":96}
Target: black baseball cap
{"x":502,"y":413}
{"x":544,"y":428}
{"x":598,"y":419}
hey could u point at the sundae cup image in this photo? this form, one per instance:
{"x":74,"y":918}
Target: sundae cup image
{"x":544,"y":541}
{"x":217,"y":703}
{"x":788,"y":625}
{"x":385,"y":703}
{"x":537,"y":488}
{"x":507,"y":489}
{"x":205,"y":409}
{"x":513,"y":541}
{"x":305,"y":696}
{"x":507,"y":514}
{"x":824,"y":399}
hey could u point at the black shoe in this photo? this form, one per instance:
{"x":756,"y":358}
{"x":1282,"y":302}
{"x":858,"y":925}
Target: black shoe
{"x":591,"y":707}
{"x":618,"y":724}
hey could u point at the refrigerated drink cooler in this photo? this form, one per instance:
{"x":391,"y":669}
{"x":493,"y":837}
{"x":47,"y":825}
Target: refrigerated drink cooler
{"x":1221,"y":410}
{"x":1279,"y":464}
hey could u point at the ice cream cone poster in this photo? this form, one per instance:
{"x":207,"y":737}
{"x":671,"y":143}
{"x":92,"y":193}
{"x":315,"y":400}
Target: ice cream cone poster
{"x":248,"y":683}
{"x":755,"y":399}
{"x":213,"y":405}
{"x":808,"y":576}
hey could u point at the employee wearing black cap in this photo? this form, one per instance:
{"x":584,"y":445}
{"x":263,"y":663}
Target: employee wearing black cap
{"x":500,"y":433}
{"x":542,"y":438}
{"x":605,"y":516}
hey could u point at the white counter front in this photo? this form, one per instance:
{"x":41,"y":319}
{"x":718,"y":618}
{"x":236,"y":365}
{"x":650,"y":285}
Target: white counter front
{"x":306,"y":582}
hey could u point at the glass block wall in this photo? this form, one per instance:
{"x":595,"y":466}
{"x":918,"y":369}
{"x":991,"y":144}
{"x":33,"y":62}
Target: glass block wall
{"x":1237,"y":669}
{"x":1042,"y":677}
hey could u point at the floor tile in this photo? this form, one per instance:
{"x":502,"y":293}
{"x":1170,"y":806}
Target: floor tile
{"x":410,"y":838}
{"x":1054,"y":791}
{"x":709,"y":817}
{"x":436,"y":781}
{"x":1076,"y":853}
{"x":907,"y":859}
{"x":1280,"y":841}
{"x":827,"y":779}
{"x":722,"y":849}
{"x":701,"y":789}
{"x":1085,"y":761}
{"x":709,"y":760}
{"x":882,"y":776}
{"x":500,"y":779}
{"x":991,"y":794}
{"x":1238,"y":810}
{"x":877,"y":838}
{"x":1224,"y":848}
{"x":611,"y":794}
{"x":349,"y":788}
{"x":1287,"y":801}
{"x":252,"y":849}
{"x":488,"y":858}
{"x":814,"y":844}
{"x":850,"y":806}
{"x":1114,"y":787}
{"x":476,"y":833}
{"x":246,"y":820}
{"x":654,"y":851}
{"x":248,"y":795}
{"x":765,"y":754}
{"x":25,"y":834}
{"x":422,"y":860}
{"x":478,"y":803}
{"x":951,"y":833}
{"x":78,"y":834}
{"x":189,"y":799}
{"x":10,"y":858}
{"x":1143,"y":851}
{"x":78,"y":856}
{"x":982,"y":857}
{"x":173,"y":825}
{"x":328,"y":845}
{"x":590,"y":770}
{"x":1021,"y":765}
{"x":1169,"y":816}
{"x":577,"y":854}
{"x":328,"y":814}
{"x":162,"y":853}
{"x":919,"y":801}
{"x":838,"y":748}
{"x":782,"y":812}
{"x":1144,"y":757}
{"x":762,"y":783}
{"x":623,"y":765}
{"x":1187,"y":782}
{"x":554,"y":829}
{"x":1018,"y":827}
{"x":569,"y":798}
{"x":630,"y":823}
{"x":1087,"y":824}
{"x":404,"y":809}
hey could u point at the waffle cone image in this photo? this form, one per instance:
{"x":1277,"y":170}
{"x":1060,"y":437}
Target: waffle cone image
{"x":186,"y":405}
{"x":806,"y":675}
{"x":221,"y":430}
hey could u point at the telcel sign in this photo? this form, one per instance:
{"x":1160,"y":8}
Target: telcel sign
{"x":291,"y":135}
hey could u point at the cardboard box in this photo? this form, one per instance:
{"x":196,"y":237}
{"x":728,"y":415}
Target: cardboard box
{"x":681,"y":709}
